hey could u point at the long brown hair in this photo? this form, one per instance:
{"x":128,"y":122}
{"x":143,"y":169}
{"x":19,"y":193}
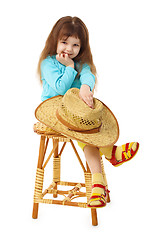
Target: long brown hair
{"x":66,"y":27}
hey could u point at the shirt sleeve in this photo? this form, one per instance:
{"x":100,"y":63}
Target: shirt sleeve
{"x":87,"y":77}
{"x":60,"y":82}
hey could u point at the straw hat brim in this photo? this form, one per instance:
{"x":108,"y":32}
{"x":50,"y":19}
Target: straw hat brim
{"x":107,"y":136}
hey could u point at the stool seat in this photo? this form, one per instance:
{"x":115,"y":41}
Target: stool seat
{"x":46,"y":134}
{"x":41,"y":129}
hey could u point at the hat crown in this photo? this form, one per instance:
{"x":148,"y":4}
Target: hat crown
{"x":77,"y":113}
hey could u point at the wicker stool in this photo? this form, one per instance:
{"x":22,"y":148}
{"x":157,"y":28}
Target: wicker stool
{"x":47,"y":134}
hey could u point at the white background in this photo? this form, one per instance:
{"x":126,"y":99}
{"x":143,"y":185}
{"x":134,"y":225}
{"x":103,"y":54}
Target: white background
{"x":124,"y":39}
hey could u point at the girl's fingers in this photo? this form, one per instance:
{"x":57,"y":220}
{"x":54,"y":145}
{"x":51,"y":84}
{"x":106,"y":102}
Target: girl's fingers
{"x":89,"y":102}
{"x":88,"y":99}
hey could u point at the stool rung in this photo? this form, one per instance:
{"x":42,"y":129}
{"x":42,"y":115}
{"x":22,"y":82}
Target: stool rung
{"x":69,"y":183}
{"x":61,"y":192}
{"x":60,"y":202}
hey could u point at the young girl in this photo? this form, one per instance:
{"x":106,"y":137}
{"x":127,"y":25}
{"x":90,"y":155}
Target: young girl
{"x":66,"y":62}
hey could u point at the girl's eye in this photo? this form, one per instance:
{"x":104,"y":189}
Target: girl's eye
{"x":64,"y":42}
{"x":76,"y":45}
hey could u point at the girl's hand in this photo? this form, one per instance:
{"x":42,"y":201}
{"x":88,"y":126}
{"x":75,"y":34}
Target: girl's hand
{"x":65,"y":60}
{"x":86,"y":95}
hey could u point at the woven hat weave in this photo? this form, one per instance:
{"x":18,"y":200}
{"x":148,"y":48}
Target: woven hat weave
{"x":72,"y":117}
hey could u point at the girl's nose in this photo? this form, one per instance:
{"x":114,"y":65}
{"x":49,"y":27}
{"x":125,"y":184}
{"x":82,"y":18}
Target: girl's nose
{"x":69,"y":48}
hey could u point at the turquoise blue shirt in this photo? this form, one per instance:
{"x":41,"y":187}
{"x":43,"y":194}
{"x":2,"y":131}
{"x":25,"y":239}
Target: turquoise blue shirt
{"x":57,"y":78}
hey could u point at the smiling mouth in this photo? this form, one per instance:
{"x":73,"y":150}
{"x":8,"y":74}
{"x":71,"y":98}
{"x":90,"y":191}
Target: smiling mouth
{"x":67,"y":53}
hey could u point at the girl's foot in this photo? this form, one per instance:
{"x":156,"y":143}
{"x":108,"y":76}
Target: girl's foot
{"x":99,"y":192}
{"x":121,"y":154}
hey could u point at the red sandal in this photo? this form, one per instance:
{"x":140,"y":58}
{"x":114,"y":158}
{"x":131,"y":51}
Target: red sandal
{"x":102,"y":198}
{"x":127,"y":154}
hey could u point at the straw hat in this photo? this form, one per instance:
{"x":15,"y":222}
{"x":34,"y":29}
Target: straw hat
{"x":72,"y":117}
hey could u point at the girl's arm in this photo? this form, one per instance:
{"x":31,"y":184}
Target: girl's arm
{"x":86,"y":95}
{"x":88,"y":81}
{"x":60,"y":82}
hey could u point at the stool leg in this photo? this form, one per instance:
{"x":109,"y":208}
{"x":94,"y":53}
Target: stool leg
{"x":39,"y":165}
{"x":94,"y":217}
{"x":108,"y":198}
{"x":56,"y":172}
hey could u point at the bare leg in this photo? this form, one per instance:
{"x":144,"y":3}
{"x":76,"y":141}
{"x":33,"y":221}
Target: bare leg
{"x":93,"y":159}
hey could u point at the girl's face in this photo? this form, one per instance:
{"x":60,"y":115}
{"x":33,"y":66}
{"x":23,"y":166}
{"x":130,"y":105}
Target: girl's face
{"x":70,"y":46}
